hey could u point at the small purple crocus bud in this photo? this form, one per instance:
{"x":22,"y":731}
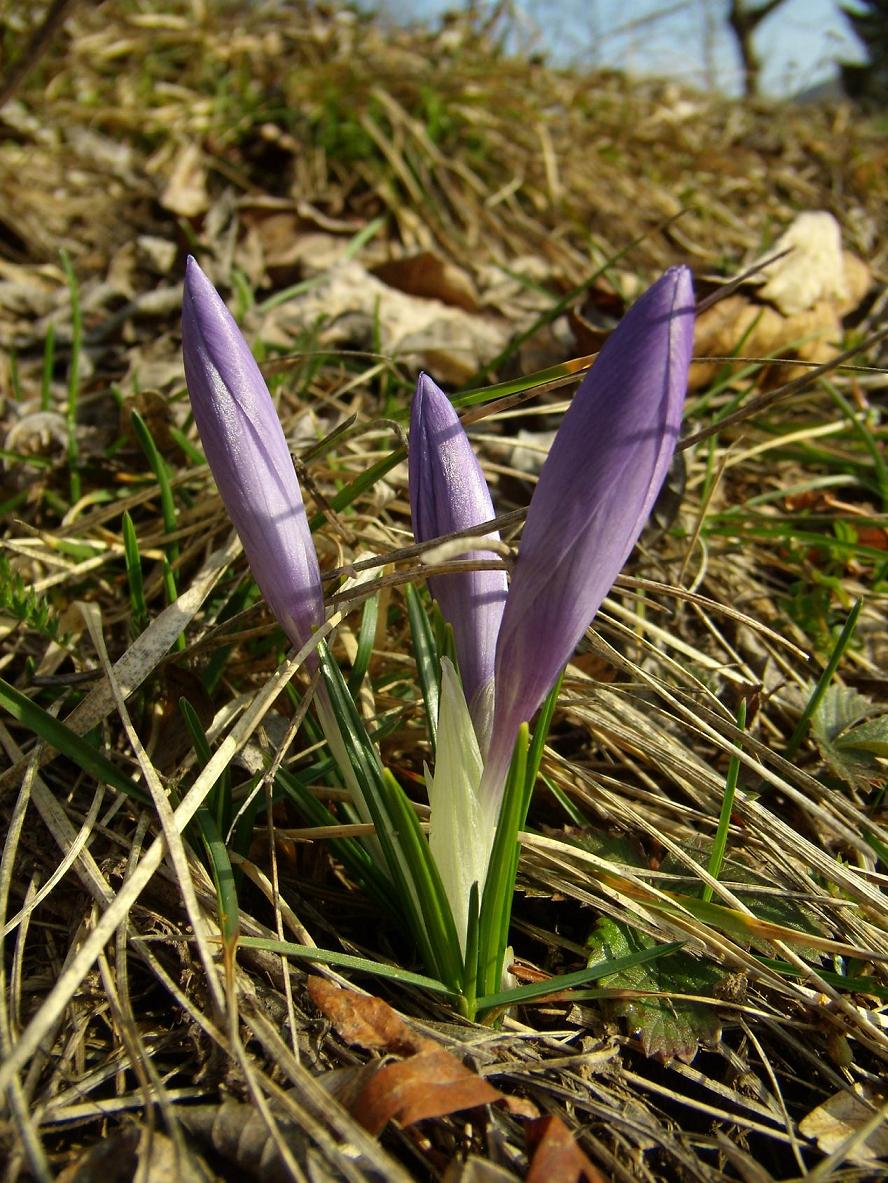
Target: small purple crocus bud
{"x":249,"y":458}
{"x":448,"y":493}
{"x":595,"y":493}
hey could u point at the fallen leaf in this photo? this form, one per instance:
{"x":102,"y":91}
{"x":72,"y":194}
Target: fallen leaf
{"x":737,"y":325}
{"x":555,"y":1156}
{"x":431,"y":1084}
{"x":842,"y":1115}
{"x":112,"y":1160}
{"x":812,"y":270}
{"x":136,"y":1154}
{"x":186,"y":190}
{"x":428,"y":275}
{"x":363,"y":1019}
{"x":797,"y":307}
{"x":239,"y":1135}
{"x":349,"y":307}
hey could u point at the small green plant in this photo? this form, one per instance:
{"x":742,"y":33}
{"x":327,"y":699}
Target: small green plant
{"x":24,"y":604}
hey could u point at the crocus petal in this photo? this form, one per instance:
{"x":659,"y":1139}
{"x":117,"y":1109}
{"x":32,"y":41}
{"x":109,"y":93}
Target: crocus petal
{"x":249,"y":458}
{"x":595,"y":493}
{"x":462,"y":826}
{"x":448,"y":493}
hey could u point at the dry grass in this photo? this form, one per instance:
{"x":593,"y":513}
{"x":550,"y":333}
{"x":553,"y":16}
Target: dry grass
{"x":267,"y":144}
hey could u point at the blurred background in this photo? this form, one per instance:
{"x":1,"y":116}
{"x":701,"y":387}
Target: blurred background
{"x":799,"y":46}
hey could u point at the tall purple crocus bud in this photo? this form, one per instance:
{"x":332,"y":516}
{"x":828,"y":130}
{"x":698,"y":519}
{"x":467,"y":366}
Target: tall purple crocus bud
{"x":249,"y":458}
{"x":448,"y":493}
{"x":595,"y":493}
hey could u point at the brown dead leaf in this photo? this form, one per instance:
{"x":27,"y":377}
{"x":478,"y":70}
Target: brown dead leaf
{"x":238,"y":1135}
{"x":430,"y":276}
{"x":555,"y":1156}
{"x":136,"y":1154}
{"x":431,"y":1084}
{"x":760,"y":331}
{"x":842,"y":1115}
{"x":113,"y":1160}
{"x":356,"y":310}
{"x":364,"y":1020}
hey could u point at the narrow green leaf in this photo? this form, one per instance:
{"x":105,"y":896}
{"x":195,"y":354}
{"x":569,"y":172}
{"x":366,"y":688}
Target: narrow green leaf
{"x":856,"y":985}
{"x":428,"y":663}
{"x":496,"y":901}
{"x":349,"y":961}
{"x":133,"y":562}
{"x":161,"y":472}
{"x":172,"y":594}
{"x":537,"y":746}
{"x":223,"y":876}
{"x":844,"y":640}
{"x":348,"y":850}
{"x":506,"y":998}
{"x":434,"y":905}
{"x":470,"y":964}
{"x":366,"y":480}
{"x":719,"y":846}
{"x":218,"y":801}
{"x":403,"y":844}
{"x":48,"y":367}
{"x":64,"y":740}
{"x":366,"y":638}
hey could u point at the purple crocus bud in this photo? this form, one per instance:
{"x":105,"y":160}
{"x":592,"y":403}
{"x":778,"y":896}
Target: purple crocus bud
{"x":249,"y":458}
{"x":594,"y":496}
{"x":448,"y":493}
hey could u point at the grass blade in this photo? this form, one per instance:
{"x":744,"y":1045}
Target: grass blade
{"x":349,"y":961}
{"x":428,"y":664}
{"x":717,"y":854}
{"x":67,"y":742}
{"x":823,"y":681}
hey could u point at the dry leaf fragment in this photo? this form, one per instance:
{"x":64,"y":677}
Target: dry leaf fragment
{"x":798,"y":303}
{"x":238,"y":1134}
{"x":556,"y":1158}
{"x":760,"y":331}
{"x":428,"y":275}
{"x":840,"y":1116}
{"x":354,"y":309}
{"x":812,"y":269}
{"x":186,"y":190}
{"x":431,"y":1084}
{"x":135,"y":1153}
{"x":364,"y":1020}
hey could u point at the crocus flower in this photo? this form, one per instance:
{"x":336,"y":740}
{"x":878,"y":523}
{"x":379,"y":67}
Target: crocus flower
{"x":249,"y":458}
{"x":448,"y":493}
{"x":594,"y":495}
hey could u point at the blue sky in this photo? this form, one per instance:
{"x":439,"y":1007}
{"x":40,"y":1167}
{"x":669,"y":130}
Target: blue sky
{"x":799,"y":43}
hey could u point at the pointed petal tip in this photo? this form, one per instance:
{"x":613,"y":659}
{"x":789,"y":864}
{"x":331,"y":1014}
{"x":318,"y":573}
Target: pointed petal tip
{"x":197,"y":284}
{"x":428,"y":388}
{"x":681,"y":280}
